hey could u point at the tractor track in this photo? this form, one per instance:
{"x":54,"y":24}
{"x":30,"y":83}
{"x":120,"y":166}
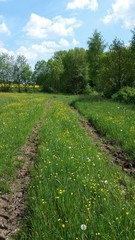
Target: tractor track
{"x":117,"y":155}
{"x":12,"y":205}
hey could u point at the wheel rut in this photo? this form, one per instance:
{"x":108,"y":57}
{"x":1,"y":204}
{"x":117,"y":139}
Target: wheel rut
{"x":117,"y":155}
{"x":12,"y":205}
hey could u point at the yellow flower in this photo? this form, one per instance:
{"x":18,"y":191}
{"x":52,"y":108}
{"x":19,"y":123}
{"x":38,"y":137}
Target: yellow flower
{"x":98,"y":234}
{"x":63,"y":225}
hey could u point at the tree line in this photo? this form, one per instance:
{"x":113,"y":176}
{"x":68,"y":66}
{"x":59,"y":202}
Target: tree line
{"x":102,"y":68}
{"x":15,"y":72}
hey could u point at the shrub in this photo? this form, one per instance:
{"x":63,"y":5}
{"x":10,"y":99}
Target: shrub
{"x":126,"y":94}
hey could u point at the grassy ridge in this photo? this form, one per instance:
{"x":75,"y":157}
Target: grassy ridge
{"x":75,"y":193}
{"x":18,"y":114}
{"x":115,"y":120}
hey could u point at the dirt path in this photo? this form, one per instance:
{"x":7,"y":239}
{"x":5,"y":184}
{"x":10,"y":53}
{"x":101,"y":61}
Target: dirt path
{"x":117,"y":155}
{"x":12,"y":206}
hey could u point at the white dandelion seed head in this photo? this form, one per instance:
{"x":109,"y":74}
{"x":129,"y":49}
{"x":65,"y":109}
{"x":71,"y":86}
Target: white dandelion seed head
{"x":83,"y":227}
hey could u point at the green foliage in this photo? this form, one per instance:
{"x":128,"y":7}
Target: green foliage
{"x":54,"y":71}
{"x":75,"y":70}
{"x":39,"y":72}
{"x":126,"y":94}
{"x":115,"y":72}
{"x":89,"y":90}
{"x":22,"y":72}
{"x":6,"y":69}
{"x":95,"y":50}
{"x":67,"y":72}
{"x":14,"y":72}
{"x":132,"y":42}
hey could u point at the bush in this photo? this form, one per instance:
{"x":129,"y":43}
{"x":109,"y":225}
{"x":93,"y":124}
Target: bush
{"x":89,"y":90}
{"x":126,"y":94}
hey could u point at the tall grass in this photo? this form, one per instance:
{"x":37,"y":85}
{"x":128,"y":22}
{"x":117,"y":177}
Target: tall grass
{"x":76,"y":193}
{"x":18,"y":114}
{"x":114,"y":120}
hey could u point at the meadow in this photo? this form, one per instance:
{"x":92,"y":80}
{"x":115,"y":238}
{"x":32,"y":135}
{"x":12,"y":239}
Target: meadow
{"x":114,"y":120}
{"x":18,"y":114}
{"x":76,"y":192}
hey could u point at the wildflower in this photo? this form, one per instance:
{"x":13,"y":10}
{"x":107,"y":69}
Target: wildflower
{"x":105,"y":181}
{"x":98,"y":234}
{"x":63,"y":225}
{"x":116,"y":218}
{"x":127,"y":213}
{"x":83,"y":227}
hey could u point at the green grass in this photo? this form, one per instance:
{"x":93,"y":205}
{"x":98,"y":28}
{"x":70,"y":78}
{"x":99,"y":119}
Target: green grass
{"x":18,"y":115}
{"x":114,"y":120}
{"x":74,"y":184}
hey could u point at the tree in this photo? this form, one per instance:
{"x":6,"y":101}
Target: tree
{"x":54,"y":70}
{"x":27,"y":76}
{"x":40,"y":72}
{"x":95,"y":50}
{"x":116,"y":71}
{"x":22,"y":71}
{"x":75,"y":70}
{"x":132,"y":56}
{"x":6,"y":70}
{"x":132,"y":42}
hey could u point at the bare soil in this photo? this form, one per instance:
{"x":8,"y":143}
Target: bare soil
{"x":12,"y":205}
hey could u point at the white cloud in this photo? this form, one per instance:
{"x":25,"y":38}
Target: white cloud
{"x":43,"y":50}
{"x":124,"y":11}
{"x":63,"y":42}
{"x":75,"y":43}
{"x":27,"y":52}
{"x":40,"y":27}
{"x":83,"y":4}
{"x":4,"y":28}
{"x":4,"y":50}
{"x":46,"y":49}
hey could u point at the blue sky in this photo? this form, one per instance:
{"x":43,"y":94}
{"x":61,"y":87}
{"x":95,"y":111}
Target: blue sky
{"x":38,"y":28}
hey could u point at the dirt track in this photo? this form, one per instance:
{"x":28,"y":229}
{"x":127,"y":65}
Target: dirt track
{"x":117,"y":155}
{"x":12,"y":206}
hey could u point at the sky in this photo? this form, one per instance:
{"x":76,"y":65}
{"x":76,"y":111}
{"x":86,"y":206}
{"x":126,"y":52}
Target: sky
{"x":38,"y":28}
